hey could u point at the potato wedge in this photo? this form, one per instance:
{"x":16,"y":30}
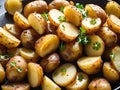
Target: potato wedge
{"x":7,"y":39}
{"x":110,"y":73}
{"x":87,"y":63}
{"x":114,"y":23}
{"x":81,"y":82}
{"x":15,"y":86}
{"x":37,"y":22}
{"x":73,"y":15}
{"x":47,"y":44}
{"x":20,"y":20}
{"x":12,"y":6}
{"x":39,"y":6}
{"x":67,"y":32}
{"x":56,"y":17}
{"x":91,"y":25}
{"x":35,"y":74}
{"x":95,"y":47}
{"x":96,"y":11}
{"x":2,"y":74}
{"x":64,"y":74}
{"x":29,"y":55}
{"x":115,"y":57}
{"x":110,"y":10}
{"x":48,"y":84}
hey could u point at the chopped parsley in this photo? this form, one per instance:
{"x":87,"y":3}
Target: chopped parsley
{"x":112,"y":56}
{"x":13,"y":64}
{"x":81,"y":8}
{"x":93,"y":21}
{"x":63,"y":71}
{"x":63,"y":26}
{"x":45,"y":15}
{"x":62,"y":46}
{"x":96,"y":46}
{"x":6,"y":56}
{"x":61,"y":9}
{"x":80,"y":77}
{"x":62,"y":18}
{"x":82,"y":37}
{"x":19,"y":69}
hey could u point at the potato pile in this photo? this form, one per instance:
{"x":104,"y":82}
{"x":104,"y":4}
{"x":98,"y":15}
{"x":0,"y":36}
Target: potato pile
{"x":60,"y":45}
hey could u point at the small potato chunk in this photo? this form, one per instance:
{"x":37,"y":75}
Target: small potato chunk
{"x":67,"y":32}
{"x":99,"y":84}
{"x":73,"y":15}
{"x":71,"y":52}
{"x":108,"y":36}
{"x":56,"y":17}
{"x":16,"y":86}
{"x":2,"y":73}
{"x":91,"y":25}
{"x":48,"y":84}
{"x":81,"y":82}
{"x":20,"y":20}
{"x":87,"y":63}
{"x":96,"y":11}
{"x":115,"y":57}
{"x":47,"y":44}
{"x":16,"y":69}
{"x":57,"y":4}
{"x":50,"y":62}
{"x":12,"y":6}
{"x":13,"y":29}
{"x":38,"y":23}
{"x":29,"y":55}
{"x":64,"y":74}
{"x":28,"y":38}
{"x":109,"y":72}
{"x":35,"y":74}
{"x":110,"y":10}
{"x":7,"y":39}
{"x":95,"y":47}
{"x":114,"y":23}
{"x":39,"y":6}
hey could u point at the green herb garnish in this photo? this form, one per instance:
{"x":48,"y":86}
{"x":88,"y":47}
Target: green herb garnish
{"x":93,"y":21}
{"x":62,"y":18}
{"x":13,"y":64}
{"x":63,"y":71}
{"x":63,"y":26}
{"x":6,"y":56}
{"x":62,"y":46}
{"x":112,"y":56}
{"x":80,"y":77}
{"x":45,"y":15}
{"x":61,"y":9}
{"x":96,"y":46}
{"x":82,"y":37}
{"x":19,"y":69}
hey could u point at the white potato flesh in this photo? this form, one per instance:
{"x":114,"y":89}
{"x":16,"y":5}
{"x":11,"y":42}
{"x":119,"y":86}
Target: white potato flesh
{"x":64,"y":74}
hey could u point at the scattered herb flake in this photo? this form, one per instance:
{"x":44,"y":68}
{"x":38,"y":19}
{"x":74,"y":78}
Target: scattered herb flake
{"x":63,"y":27}
{"x":112,"y":56}
{"x":19,"y":69}
{"x":5,"y":56}
{"x":62,"y":18}
{"x":62,"y":46}
{"x":55,"y":73}
{"x":96,"y":46}
{"x":61,"y":9}
{"x":80,"y":77}
{"x":45,"y":15}
{"x":63,"y":71}
{"x":13,"y":64}
{"x":93,"y":21}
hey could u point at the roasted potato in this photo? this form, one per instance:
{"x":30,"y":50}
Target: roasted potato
{"x":67,"y":32}
{"x":109,"y":72}
{"x":15,"y":86}
{"x":12,"y":6}
{"x":34,"y":74}
{"x":110,"y":10}
{"x":64,"y":74}
{"x":114,"y":23}
{"x":57,"y":4}
{"x":95,"y":47}
{"x":95,"y":11}
{"x":8,"y":40}
{"x":108,"y":36}
{"x":28,"y":38}
{"x":73,"y":15}
{"x":91,"y":25}
{"x":80,"y":83}
{"x":2,"y":73}
{"x":71,"y":52}
{"x":46,"y":44}
{"x":38,"y":23}
{"x":16,"y":69}
{"x":87,"y":63}
{"x":48,"y":84}
{"x":50,"y":62}
{"x":39,"y":6}
{"x":99,"y":84}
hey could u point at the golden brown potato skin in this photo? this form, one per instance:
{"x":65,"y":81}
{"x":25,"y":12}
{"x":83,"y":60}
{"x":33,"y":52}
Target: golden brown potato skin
{"x":99,"y":84}
{"x":38,"y":6}
{"x":28,"y":38}
{"x":12,"y":72}
{"x":50,"y":62}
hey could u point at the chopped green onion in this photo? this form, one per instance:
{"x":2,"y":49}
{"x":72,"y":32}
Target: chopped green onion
{"x":63,"y":26}
{"x":93,"y":21}
{"x":45,"y":15}
{"x":80,"y":77}
{"x":63,"y":71}
{"x":62,"y":18}
{"x":19,"y":69}
{"x":13,"y":64}
{"x":61,"y":9}
{"x":96,"y":46}
{"x":62,"y":46}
